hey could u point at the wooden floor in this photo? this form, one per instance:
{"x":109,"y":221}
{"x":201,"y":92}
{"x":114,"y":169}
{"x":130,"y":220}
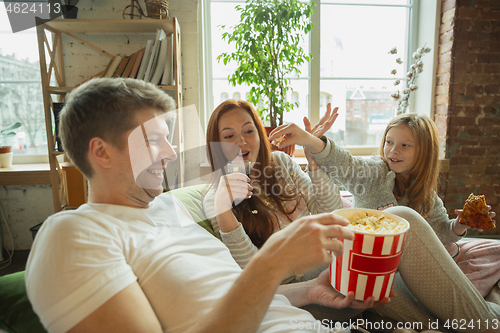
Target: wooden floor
{"x":17,"y":264}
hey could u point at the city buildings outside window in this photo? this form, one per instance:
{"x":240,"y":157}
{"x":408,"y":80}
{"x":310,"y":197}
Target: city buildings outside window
{"x":21,"y":96}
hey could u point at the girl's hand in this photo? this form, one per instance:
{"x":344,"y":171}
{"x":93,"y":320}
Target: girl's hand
{"x":324,"y":124}
{"x":318,"y":130}
{"x":460,"y":228}
{"x":233,"y":188}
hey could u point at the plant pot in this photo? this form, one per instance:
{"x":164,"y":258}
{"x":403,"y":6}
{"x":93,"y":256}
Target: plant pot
{"x":6,"y":155}
{"x":289,"y":150}
{"x":69,"y":12}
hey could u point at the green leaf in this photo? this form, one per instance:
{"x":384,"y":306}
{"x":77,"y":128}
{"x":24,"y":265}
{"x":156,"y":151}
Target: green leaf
{"x":10,"y":128}
{"x":266,"y":43}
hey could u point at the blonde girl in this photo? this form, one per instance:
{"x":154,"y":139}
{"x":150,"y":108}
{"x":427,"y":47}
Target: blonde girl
{"x":405,"y":174}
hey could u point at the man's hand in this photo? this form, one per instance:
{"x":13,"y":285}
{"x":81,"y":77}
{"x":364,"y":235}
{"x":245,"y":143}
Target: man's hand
{"x":321,"y":292}
{"x":304,"y":244}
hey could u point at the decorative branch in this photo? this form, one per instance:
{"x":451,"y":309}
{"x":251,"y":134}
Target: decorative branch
{"x":416,"y":68}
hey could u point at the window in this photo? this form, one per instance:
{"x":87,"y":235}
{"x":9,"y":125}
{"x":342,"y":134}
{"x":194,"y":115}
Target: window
{"x":351,"y":69}
{"x":21,"y":96}
{"x":224,"y":96}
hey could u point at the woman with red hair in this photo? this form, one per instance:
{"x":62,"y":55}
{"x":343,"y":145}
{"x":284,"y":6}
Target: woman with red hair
{"x":246,"y":210}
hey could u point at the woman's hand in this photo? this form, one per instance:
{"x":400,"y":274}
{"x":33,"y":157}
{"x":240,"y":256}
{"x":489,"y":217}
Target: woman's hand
{"x":233,"y":188}
{"x":293,"y":134}
{"x":460,"y":228}
{"x":313,"y":166}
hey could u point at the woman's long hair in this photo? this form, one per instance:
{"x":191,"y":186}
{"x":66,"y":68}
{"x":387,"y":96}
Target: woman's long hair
{"x":420,"y":185}
{"x":259,"y":227}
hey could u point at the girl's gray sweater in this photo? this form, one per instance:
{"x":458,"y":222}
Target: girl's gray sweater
{"x":371,"y":183}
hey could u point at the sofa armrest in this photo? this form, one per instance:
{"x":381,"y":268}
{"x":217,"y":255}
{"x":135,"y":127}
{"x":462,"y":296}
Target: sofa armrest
{"x":16,"y":312}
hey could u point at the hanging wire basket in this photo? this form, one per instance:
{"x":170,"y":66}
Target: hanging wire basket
{"x":157,"y":9}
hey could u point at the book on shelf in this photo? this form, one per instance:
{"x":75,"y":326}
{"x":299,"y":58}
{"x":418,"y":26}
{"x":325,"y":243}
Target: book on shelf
{"x":145,"y":59}
{"x":153,"y":59}
{"x":130,"y":64}
{"x":112,"y":65}
{"x":137,"y":63}
{"x":162,"y":59}
{"x":121,"y":66}
{"x":168,"y":78}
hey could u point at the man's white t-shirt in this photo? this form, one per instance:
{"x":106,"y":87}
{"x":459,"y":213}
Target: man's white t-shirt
{"x":82,"y":258}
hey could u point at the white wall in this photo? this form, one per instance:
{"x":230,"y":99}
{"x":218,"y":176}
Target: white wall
{"x":23,"y":207}
{"x":26,"y":206}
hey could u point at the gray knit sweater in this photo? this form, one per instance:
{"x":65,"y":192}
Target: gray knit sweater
{"x":371,"y":183}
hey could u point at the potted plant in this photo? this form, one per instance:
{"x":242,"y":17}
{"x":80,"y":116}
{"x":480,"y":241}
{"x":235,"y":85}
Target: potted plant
{"x":268,"y":52}
{"x":5,"y":150}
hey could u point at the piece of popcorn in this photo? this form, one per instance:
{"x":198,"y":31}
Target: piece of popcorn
{"x":278,"y":140}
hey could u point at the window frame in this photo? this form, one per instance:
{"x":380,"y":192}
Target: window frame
{"x":20,"y":160}
{"x":420,"y":32}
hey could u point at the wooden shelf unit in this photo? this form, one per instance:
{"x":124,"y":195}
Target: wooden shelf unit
{"x":55,"y":67}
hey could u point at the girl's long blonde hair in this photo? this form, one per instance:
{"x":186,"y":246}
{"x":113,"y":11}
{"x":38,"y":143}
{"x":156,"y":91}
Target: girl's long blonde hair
{"x":420,"y":185}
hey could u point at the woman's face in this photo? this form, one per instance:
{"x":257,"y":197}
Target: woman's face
{"x":399,"y":149}
{"x":237,"y":129}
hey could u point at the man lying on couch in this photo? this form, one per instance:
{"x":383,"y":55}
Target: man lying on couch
{"x":132,"y":259}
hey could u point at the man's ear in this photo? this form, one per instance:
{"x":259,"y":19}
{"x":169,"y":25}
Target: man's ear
{"x":99,"y":152}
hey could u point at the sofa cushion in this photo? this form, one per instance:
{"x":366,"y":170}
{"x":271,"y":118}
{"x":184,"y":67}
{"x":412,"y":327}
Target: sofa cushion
{"x":192,"y":198}
{"x":16,"y":313}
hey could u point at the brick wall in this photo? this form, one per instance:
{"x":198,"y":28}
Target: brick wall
{"x":468,"y":101}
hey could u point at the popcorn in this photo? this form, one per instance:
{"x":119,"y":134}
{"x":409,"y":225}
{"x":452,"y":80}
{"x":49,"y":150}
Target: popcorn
{"x":376,"y":225}
{"x":279,"y":140}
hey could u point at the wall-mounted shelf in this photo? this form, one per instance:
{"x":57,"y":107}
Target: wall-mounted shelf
{"x":54,"y":69}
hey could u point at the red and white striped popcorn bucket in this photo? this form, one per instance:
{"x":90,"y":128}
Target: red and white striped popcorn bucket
{"x":370,"y":261}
